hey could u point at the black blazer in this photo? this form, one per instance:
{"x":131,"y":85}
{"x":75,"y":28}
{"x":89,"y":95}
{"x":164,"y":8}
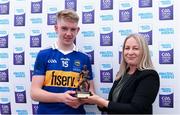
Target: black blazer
{"x":137,"y":95}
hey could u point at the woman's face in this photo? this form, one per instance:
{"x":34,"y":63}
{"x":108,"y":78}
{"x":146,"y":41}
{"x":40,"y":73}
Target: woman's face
{"x":132,"y":52}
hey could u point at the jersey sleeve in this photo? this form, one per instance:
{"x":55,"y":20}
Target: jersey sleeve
{"x":40,"y":65}
{"x":89,"y":67}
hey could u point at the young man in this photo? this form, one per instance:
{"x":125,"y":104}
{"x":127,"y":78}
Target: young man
{"x":57,"y":69}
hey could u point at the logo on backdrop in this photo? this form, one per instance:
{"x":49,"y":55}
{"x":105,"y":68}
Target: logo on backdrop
{"x":19,"y":17}
{"x":20,"y":94}
{"x":4,"y":39}
{"x":106,"y":54}
{"x":165,"y":10}
{"x":4,"y":72}
{"x":4,"y":21}
{"x":31,"y":72}
{"x":166,"y":75}
{"x":106,"y":73}
{"x":144,"y":15}
{"x":166,"y":53}
{"x":51,"y":35}
{"x":88,"y":14}
{"x":33,"y":56}
{"x":4,"y":89}
{"x":19,"y":35}
{"x":106,"y":35}
{"x":36,"y":6}
{"x":5,"y":106}
{"x":120,"y":53}
{"x":35,"y":20}
{"x":145,"y":3}
{"x":51,"y":16}
{"x":71,"y":4}
{"x":35,"y":38}
{"x":125,"y":32}
{"x":106,"y":4}
{"x":166,"y":31}
{"x":19,"y":74}
{"x":89,"y":50}
{"x":105,"y":90}
{"x":146,"y":31}
{"x":91,"y":56}
{"x":4,"y":7}
{"x":18,"y":56}
{"x":106,"y":17}
{"x":22,"y":112}
{"x":125,"y":12}
{"x":34,"y":109}
{"x":88,"y":34}
{"x":166,"y":97}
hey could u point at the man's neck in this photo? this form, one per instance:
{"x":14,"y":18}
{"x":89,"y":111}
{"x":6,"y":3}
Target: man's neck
{"x":65,"y":47}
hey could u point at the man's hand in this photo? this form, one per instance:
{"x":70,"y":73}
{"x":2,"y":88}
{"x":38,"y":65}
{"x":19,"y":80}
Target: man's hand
{"x":70,"y":100}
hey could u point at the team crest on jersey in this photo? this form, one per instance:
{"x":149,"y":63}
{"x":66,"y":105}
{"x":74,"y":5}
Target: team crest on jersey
{"x":77,"y":63}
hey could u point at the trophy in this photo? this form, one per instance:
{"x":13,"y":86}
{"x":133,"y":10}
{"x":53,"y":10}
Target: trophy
{"x":83,"y":84}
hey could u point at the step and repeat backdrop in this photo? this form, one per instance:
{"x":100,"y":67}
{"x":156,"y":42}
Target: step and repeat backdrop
{"x":27,"y":26}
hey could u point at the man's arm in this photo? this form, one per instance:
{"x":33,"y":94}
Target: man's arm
{"x":38,"y":94}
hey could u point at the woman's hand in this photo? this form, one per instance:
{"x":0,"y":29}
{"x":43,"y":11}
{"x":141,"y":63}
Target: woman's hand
{"x":95,"y":99}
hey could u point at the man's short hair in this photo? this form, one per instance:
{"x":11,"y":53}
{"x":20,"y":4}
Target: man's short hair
{"x":68,"y":14}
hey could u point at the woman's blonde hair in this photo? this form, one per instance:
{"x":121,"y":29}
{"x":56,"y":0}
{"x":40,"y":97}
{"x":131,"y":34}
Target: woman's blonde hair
{"x":145,"y":62}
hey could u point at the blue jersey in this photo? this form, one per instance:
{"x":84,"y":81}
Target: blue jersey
{"x":61,"y":74}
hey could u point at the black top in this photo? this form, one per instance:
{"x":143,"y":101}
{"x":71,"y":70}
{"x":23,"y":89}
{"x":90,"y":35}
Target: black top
{"x":119,"y":86}
{"x":137,"y":95}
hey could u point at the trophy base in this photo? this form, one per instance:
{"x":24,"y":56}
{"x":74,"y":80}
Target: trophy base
{"x":83,"y":95}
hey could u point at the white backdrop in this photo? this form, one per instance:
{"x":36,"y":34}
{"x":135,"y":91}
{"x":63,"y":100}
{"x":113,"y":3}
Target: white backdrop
{"x":26,"y":26}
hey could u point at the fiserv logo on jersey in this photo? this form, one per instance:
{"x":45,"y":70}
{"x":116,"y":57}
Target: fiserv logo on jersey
{"x":61,"y":79}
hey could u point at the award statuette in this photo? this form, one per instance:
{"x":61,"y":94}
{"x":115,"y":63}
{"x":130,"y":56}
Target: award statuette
{"x":83,"y":85}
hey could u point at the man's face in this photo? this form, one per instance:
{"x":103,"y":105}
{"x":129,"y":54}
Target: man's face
{"x":67,"y":31}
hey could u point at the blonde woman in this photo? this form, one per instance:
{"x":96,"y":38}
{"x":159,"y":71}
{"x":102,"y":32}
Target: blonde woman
{"x":137,"y":83}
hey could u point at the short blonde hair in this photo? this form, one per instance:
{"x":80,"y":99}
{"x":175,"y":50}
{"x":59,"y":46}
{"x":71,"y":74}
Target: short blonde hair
{"x":67,"y":14}
{"x":145,"y":63}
